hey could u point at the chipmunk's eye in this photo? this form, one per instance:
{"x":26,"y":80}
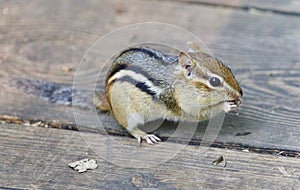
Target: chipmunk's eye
{"x":215,"y":82}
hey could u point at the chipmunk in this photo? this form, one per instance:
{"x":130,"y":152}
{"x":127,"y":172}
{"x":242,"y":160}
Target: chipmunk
{"x":144,"y":85}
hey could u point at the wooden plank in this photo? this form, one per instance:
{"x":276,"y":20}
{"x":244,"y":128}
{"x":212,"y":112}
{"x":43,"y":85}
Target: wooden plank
{"x":34,"y":157}
{"x":262,"y":48}
{"x":267,"y":84}
{"x":245,"y":39}
{"x":50,"y":42}
{"x":290,"y":7}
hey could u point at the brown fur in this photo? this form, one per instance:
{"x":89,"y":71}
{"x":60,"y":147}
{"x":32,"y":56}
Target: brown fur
{"x":201,"y":86}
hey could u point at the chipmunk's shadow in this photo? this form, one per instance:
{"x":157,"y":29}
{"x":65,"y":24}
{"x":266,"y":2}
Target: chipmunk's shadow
{"x":192,"y":132}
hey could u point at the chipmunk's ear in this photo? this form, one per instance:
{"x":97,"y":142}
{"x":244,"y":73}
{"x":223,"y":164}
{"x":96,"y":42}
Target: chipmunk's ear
{"x":186,"y":63}
{"x":192,"y":47}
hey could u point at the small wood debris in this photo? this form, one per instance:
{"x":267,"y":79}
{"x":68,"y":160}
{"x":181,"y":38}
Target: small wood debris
{"x":280,"y":153}
{"x":284,"y":172}
{"x":5,"y":11}
{"x":67,"y":69}
{"x":219,"y":160}
{"x":137,"y":180}
{"x":83,"y":165}
{"x":246,"y":150}
{"x":120,"y":7}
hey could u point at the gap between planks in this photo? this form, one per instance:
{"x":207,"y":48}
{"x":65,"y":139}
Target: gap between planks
{"x":237,"y":5}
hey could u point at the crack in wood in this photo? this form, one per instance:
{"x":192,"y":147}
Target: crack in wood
{"x":6,"y":119}
{"x":246,"y":8}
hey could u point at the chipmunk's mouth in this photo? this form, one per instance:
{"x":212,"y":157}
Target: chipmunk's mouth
{"x":231,"y":105}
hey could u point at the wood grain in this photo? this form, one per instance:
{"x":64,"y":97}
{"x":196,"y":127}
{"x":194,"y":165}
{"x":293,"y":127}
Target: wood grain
{"x":39,"y":41}
{"x":262,"y":50}
{"x":34,"y":157}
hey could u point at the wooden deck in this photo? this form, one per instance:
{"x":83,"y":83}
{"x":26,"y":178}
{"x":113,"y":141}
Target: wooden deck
{"x":46,"y":41}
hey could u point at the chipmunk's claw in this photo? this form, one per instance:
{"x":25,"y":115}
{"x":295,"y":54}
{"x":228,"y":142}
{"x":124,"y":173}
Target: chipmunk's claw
{"x":140,"y":141}
{"x":150,"y":139}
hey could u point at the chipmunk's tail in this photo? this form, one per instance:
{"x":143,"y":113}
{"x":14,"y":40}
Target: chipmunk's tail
{"x":101,"y":102}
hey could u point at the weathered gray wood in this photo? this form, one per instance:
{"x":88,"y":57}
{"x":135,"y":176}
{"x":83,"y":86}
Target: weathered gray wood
{"x":263,"y":49}
{"x":40,"y":41}
{"x":34,"y":157}
{"x":246,"y":39}
{"x":290,"y":7}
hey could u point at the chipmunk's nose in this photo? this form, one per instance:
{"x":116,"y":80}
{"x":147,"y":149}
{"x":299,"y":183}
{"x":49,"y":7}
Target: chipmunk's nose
{"x":241,"y":92}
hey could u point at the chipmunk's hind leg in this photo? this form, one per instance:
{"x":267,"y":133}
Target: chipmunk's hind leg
{"x":134,"y":120}
{"x":130,"y":107}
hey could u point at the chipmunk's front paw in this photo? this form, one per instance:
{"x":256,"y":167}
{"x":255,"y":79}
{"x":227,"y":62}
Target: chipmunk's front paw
{"x":149,"y":138}
{"x":232,"y":105}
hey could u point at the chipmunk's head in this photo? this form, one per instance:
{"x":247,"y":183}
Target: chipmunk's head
{"x":211,"y":82}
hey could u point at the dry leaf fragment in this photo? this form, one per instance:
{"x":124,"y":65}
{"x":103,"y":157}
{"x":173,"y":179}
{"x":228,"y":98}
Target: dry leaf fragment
{"x":83,"y":165}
